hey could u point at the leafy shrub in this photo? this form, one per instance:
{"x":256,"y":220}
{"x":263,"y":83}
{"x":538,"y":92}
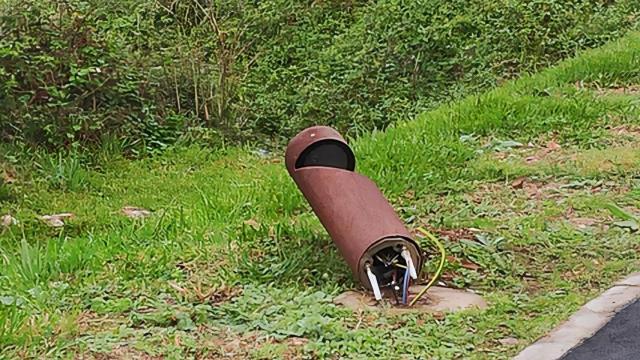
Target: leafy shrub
{"x":145,"y":71}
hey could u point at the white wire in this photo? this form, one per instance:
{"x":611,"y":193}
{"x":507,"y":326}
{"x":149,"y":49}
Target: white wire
{"x":407,"y":258}
{"x":374,"y":284}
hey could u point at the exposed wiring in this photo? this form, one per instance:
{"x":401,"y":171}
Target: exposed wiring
{"x":395,"y":288}
{"x":374,"y":283}
{"x":405,"y":287}
{"x":438,"y":272}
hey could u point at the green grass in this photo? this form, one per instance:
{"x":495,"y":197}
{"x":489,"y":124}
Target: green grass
{"x":232,"y":262}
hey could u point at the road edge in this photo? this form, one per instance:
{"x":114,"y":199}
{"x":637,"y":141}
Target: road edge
{"x":585,"y":322}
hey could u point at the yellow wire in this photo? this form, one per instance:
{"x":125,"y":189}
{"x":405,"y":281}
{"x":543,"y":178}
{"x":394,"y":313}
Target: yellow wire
{"x":438,"y":273}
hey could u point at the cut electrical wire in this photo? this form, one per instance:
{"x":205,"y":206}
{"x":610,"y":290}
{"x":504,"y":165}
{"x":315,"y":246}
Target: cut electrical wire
{"x":438,"y":272}
{"x":374,"y":284}
{"x":405,"y":288}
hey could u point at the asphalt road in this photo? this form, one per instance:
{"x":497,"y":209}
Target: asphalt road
{"x":619,"y":339}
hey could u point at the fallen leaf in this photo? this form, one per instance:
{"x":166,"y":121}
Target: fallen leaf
{"x":582,"y":222}
{"x":56,"y":220}
{"x":518,"y":183}
{"x":254,"y":224}
{"x":553,"y":146}
{"x":133,"y":212}
{"x":532,"y":159}
{"x":571,"y":274}
{"x":8,"y":220}
{"x":626,"y":130}
{"x":297,"y":341}
{"x":509,"y":341}
{"x":531,"y":189}
{"x":469,"y":265}
{"x":177,"y":287}
{"x":8,"y":177}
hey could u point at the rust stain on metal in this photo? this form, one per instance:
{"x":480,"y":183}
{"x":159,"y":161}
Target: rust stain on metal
{"x":355,"y":213}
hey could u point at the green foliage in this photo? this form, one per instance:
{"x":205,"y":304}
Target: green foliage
{"x":64,"y":171}
{"x":308,"y":313}
{"x":146,"y":71}
{"x":5,"y":191}
{"x":232,"y":255}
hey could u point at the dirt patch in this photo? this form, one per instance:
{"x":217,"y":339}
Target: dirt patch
{"x":583,"y":222}
{"x":89,"y":322}
{"x":233,"y":346}
{"x":543,"y":152}
{"x":202,"y":284}
{"x":621,"y":90}
{"x":625,"y":130}
{"x":609,"y":90}
{"x":533,"y":151}
{"x":624,"y":135}
{"x":230,"y":345}
{"x":119,"y":353}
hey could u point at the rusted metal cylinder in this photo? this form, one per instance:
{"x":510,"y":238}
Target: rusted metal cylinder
{"x":355,"y":213}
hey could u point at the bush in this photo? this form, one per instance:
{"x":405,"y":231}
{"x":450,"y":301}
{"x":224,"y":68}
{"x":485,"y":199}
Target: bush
{"x":143,"y":71}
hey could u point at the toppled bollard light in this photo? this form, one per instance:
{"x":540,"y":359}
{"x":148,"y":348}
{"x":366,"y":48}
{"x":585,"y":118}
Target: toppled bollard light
{"x":371,"y":238}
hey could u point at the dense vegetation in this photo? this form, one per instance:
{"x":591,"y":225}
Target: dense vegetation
{"x":141,"y":74}
{"x":230,"y":263}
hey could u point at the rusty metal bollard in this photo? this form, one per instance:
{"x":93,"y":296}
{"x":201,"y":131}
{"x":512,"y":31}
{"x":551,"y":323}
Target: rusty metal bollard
{"x":364,"y":226}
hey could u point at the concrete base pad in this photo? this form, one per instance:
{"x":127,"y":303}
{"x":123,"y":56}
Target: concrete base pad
{"x":436,"y":300}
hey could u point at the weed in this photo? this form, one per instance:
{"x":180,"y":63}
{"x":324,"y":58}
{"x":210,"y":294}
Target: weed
{"x":64,"y":172}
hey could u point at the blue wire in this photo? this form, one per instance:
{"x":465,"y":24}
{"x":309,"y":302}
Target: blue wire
{"x":405,"y":290}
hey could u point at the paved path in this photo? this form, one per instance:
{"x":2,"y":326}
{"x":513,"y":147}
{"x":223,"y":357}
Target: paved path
{"x":619,"y":339}
{"x":605,"y":328}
